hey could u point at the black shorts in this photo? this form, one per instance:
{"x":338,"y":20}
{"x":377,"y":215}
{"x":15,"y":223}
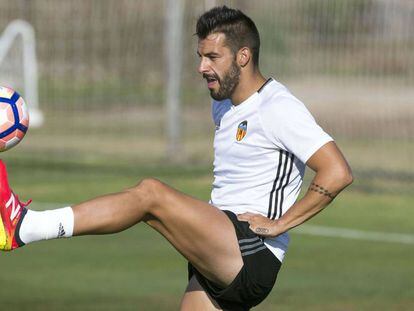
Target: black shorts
{"x":256,"y":278}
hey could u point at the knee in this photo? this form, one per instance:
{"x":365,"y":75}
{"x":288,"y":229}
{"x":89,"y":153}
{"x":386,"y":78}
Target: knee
{"x":150,"y":191}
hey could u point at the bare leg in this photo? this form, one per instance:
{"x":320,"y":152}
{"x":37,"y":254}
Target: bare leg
{"x":200,"y":232}
{"x":195,"y":298}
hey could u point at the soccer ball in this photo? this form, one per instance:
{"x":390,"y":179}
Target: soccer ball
{"x":14,"y":118}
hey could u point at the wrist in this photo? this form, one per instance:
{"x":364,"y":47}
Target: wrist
{"x":278,"y":227}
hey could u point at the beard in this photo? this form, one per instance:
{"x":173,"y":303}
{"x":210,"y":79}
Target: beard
{"x":227,"y":84}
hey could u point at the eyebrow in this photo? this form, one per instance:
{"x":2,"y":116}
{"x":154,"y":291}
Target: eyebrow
{"x":210,"y":54}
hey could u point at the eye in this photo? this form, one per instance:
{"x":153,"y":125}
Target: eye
{"x":214,"y":57}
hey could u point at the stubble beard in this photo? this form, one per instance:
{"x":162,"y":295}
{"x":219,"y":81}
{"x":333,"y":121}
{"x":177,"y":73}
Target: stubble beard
{"x":228,"y":83}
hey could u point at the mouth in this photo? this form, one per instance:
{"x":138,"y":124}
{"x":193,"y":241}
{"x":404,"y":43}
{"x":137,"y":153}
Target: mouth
{"x":211,"y":81}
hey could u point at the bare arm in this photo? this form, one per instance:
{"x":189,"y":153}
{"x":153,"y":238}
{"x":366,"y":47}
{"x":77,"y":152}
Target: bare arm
{"x":333,"y":174}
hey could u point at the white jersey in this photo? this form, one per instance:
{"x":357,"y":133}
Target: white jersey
{"x":260,"y":150}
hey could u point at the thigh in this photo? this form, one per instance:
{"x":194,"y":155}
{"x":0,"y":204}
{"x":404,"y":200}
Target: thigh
{"x":202,"y":233}
{"x":195,"y":298}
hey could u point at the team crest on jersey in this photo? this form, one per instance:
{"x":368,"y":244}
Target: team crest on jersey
{"x":241,"y":130}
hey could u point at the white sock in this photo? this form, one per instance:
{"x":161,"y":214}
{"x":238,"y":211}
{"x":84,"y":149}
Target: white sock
{"x":46,"y":225}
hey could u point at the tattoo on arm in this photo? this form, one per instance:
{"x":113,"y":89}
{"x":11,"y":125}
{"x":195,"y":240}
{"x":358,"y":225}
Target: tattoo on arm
{"x":321,"y":190}
{"x":262,"y":230}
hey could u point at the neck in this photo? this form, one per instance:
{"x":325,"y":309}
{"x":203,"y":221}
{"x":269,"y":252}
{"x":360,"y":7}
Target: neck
{"x":249,"y":84}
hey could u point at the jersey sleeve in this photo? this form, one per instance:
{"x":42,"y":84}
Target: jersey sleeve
{"x":288,"y":124}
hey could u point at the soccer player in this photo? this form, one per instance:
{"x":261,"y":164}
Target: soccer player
{"x":264,"y":139}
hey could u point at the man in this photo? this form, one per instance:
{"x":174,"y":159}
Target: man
{"x":264,"y":137}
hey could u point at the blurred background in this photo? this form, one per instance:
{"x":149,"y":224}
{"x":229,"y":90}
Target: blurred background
{"x":108,"y":72}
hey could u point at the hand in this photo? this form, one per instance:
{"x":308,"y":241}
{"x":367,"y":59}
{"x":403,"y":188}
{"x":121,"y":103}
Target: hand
{"x":260,"y":225}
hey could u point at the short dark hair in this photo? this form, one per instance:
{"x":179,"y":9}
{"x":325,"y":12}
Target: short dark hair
{"x":239,"y":29}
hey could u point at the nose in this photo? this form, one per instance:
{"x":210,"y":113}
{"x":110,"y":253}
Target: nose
{"x":203,"y":66}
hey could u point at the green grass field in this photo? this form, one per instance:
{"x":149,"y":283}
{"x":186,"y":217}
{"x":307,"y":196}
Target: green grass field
{"x":138,"y":270}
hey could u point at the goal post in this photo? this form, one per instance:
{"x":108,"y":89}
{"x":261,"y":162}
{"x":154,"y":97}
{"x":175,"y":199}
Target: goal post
{"x":29,"y":79}
{"x":173,"y":42}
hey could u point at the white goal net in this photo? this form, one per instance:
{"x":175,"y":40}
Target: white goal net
{"x":18,"y":65}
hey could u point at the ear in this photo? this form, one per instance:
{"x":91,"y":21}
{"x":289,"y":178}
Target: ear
{"x":243,"y":56}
